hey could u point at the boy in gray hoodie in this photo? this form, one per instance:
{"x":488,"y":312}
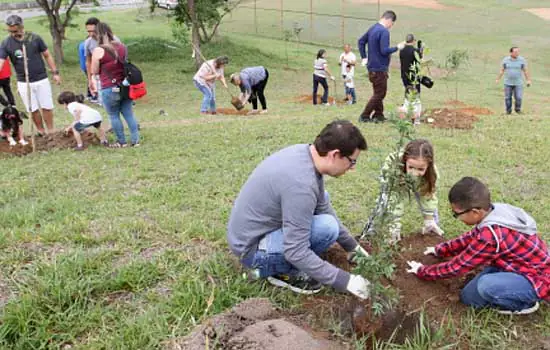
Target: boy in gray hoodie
{"x":504,"y":240}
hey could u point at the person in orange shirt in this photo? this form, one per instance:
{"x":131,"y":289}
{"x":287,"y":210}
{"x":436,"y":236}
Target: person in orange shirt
{"x":5,"y":75}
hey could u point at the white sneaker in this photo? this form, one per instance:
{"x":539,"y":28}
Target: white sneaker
{"x":527,"y":311}
{"x":327,"y":104}
{"x":23,"y":142}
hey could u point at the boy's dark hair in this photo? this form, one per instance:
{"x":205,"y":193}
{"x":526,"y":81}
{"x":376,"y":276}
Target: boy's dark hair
{"x":470,"y":193}
{"x":422,"y":149}
{"x":67,"y":97}
{"x":341,"y":135}
{"x":92,"y":21}
{"x":409,"y":38}
{"x":513,"y":48}
{"x":320,"y":53}
{"x":389,"y":15}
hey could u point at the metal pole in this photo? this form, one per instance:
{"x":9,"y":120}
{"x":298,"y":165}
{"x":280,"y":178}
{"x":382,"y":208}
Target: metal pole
{"x":378,"y":8}
{"x":342,"y":22}
{"x":255,"y":17}
{"x":311,"y":20}
{"x":282,"y":20}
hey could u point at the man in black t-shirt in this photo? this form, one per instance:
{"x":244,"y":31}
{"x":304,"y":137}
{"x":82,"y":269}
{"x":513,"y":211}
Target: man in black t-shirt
{"x":410,"y":64}
{"x":37,"y":52}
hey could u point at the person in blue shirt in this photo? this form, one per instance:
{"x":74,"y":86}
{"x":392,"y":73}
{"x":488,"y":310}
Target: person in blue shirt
{"x":512,"y":67}
{"x":379,"y":52}
{"x":82,"y":61}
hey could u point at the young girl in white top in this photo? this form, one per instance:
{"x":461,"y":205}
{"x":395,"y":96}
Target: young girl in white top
{"x":84,"y":117}
{"x":320,"y":75}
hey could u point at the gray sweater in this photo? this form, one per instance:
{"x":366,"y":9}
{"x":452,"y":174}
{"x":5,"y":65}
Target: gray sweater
{"x":286,"y":190}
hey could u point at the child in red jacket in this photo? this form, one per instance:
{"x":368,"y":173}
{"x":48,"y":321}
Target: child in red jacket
{"x":5,"y":75}
{"x":504,"y":240}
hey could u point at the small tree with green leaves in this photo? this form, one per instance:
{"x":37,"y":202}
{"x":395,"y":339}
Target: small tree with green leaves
{"x":379,"y":265}
{"x":455,"y":60}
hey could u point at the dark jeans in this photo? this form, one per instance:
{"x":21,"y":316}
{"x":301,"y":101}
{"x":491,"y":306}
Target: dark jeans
{"x":258,"y":93}
{"x":5,"y":85}
{"x":351,"y":91}
{"x":379,"y":81}
{"x":323,"y":81}
{"x":517,"y":91}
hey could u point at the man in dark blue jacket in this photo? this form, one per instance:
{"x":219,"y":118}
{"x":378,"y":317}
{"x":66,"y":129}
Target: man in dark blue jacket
{"x":378,"y":40}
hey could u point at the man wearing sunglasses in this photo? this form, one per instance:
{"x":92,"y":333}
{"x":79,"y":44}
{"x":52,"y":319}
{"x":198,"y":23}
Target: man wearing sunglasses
{"x":504,"y":240}
{"x":282,"y":219}
{"x":37,"y":52}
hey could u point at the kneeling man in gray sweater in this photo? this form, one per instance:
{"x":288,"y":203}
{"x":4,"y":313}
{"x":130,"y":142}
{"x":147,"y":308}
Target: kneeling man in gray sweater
{"x":282,"y":219}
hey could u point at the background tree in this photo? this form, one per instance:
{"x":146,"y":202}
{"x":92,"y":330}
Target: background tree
{"x":203,"y":17}
{"x":58,"y":21}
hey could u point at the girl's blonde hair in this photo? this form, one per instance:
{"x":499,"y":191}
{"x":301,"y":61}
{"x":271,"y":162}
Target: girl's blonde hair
{"x":422,"y":149}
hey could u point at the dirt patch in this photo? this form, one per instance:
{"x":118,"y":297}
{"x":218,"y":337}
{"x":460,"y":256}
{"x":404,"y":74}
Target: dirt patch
{"x":307,"y":99}
{"x":55,"y":140}
{"x":422,"y":4}
{"x":253,"y":324}
{"x":542,"y":12}
{"x":455,"y":118}
{"x":230,"y":111}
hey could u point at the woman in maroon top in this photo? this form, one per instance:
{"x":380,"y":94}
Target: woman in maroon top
{"x":107,"y":61}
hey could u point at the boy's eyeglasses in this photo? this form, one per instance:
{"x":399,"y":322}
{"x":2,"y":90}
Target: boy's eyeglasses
{"x":352,"y":162}
{"x":456,"y":215}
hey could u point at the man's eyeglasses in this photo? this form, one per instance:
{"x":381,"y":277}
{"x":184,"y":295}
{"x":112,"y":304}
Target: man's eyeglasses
{"x":456,"y":215}
{"x":14,"y":31}
{"x":352,"y":162}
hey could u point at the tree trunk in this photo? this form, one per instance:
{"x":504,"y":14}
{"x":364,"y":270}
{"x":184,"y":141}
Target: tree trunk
{"x":195,"y":35}
{"x":58,"y":54}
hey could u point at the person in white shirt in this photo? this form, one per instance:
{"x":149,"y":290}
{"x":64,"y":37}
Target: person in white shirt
{"x":84,"y":117}
{"x":205,"y":81}
{"x":347,"y":58}
{"x":350,"y":85}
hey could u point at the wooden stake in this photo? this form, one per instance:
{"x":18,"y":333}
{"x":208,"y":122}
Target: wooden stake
{"x":29,"y":100}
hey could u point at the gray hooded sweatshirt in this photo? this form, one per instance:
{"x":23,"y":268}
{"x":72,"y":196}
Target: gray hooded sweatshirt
{"x":511,"y":217}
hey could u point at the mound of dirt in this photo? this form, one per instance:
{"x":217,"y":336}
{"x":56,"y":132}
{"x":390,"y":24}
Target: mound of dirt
{"x":543,"y":12}
{"x":229,"y":111}
{"x":446,"y":118}
{"x":253,"y":324}
{"x":55,"y":140}
{"x":307,"y":99}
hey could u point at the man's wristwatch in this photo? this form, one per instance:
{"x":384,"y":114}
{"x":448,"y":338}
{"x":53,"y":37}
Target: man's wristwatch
{"x":55,"y":72}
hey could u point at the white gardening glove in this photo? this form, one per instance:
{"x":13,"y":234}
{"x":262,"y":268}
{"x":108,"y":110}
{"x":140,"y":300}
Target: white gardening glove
{"x":431,"y":226}
{"x":358,"y":286}
{"x":401,"y":45}
{"x":364,"y":62}
{"x":430,"y":250}
{"x":414,"y":266}
{"x":332,"y":77}
{"x":357,"y":250}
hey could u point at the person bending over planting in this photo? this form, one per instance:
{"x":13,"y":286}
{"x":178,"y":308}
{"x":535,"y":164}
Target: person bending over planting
{"x":417,"y":161}
{"x":252,"y":82}
{"x":282,"y":219}
{"x":504,"y":240}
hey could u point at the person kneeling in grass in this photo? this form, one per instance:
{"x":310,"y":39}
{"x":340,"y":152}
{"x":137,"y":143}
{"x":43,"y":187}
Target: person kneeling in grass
{"x":84,"y":117}
{"x":504,"y":240}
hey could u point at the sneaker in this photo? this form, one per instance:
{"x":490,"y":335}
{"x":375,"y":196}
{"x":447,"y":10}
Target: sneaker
{"x":326,"y":104}
{"x":135,"y":144}
{"x":365,"y":120}
{"x":105,"y":143}
{"x":527,"y":311}
{"x":79,"y":148}
{"x":300,"y":283}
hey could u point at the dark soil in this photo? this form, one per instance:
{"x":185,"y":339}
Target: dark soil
{"x":55,"y":140}
{"x":459,"y":115}
{"x":438,"y":299}
{"x":230,"y":111}
{"x":307,"y":99}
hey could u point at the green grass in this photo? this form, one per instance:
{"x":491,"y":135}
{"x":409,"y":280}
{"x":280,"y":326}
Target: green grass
{"x":113,"y":249}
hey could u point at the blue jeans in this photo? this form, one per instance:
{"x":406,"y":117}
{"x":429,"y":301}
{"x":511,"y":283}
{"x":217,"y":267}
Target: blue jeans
{"x":271,"y":261}
{"x":323,"y":81}
{"x":351,"y":91}
{"x":114,"y":106}
{"x":517,"y":91}
{"x":504,"y":290}
{"x":208,"y":99}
